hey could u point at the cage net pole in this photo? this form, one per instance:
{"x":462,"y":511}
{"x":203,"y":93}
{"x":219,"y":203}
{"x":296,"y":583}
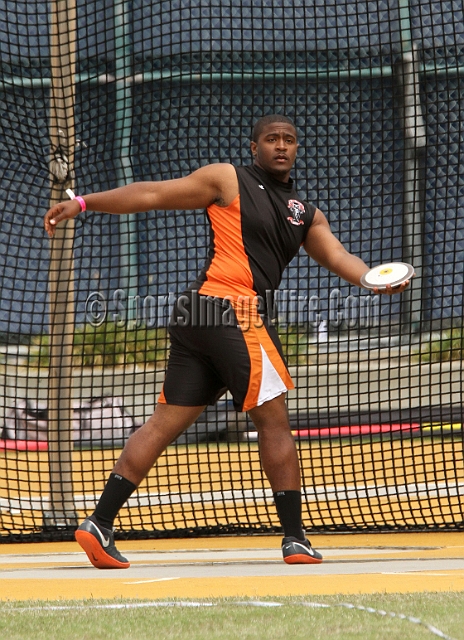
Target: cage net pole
{"x":415,"y":143}
{"x":61,"y":512}
{"x":123,"y":143}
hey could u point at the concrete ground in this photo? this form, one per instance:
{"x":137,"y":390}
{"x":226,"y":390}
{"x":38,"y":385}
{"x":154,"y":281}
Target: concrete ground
{"x":243,"y":566}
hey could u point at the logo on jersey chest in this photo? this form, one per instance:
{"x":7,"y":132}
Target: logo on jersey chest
{"x":297,"y":210}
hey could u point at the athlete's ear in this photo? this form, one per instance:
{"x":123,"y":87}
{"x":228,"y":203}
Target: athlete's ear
{"x":253,"y":147}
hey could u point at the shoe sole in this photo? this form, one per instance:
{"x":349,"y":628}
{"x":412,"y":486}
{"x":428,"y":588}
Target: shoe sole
{"x":301,"y":558}
{"x":96,"y":554}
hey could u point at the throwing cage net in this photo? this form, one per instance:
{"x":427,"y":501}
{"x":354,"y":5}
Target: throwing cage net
{"x":101,"y":93}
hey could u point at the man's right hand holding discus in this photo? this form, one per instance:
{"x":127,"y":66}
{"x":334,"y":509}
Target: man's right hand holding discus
{"x":389,"y":278}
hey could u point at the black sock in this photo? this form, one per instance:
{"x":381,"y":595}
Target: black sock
{"x":115,"y":494}
{"x":288,"y":504}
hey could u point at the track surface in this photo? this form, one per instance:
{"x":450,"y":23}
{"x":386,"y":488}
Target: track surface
{"x":236,"y":566}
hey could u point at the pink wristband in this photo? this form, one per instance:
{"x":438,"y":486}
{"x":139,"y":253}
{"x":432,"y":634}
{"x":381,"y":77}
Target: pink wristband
{"x":81,"y":201}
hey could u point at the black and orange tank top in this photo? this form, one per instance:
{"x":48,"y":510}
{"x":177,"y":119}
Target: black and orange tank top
{"x":254,"y":238}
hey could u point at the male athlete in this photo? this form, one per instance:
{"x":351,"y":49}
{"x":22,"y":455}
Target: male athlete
{"x":258,"y":223}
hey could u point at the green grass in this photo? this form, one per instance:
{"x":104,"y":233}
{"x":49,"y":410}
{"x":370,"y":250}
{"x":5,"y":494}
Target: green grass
{"x":107,"y":345}
{"x":295,"y":345}
{"x":110,"y":345}
{"x":449,"y":346}
{"x":227,"y":619}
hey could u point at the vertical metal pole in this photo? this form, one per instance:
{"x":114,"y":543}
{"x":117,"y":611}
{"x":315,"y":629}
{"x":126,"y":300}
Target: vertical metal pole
{"x":415,"y":142}
{"x":61,"y":512}
{"x":405,"y":25}
{"x":414,"y":160}
{"x":123,"y":133}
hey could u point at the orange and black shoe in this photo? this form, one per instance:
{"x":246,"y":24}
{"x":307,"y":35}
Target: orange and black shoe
{"x":299,"y":551}
{"x":98,"y":543}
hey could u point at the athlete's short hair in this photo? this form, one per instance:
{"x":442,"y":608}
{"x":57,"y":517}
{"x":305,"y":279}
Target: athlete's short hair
{"x":265,"y":120}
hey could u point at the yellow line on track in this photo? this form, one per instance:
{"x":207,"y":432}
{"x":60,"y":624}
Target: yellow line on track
{"x":431,"y":540}
{"x":232,"y":587}
{"x":389,"y":548}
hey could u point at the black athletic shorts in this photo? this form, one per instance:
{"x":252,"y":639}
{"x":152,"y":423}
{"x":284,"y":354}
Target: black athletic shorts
{"x":219,"y":345}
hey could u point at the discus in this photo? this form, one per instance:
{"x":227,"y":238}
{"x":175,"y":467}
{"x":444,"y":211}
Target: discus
{"x":392,"y":273}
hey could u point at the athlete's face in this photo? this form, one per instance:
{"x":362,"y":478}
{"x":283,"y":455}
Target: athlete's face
{"x":275,"y":150}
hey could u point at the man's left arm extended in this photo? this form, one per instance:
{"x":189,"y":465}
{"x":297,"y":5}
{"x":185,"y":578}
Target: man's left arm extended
{"x":328,"y":251}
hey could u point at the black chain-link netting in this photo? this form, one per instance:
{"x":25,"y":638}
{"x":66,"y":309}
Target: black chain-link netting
{"x":162,"y":88}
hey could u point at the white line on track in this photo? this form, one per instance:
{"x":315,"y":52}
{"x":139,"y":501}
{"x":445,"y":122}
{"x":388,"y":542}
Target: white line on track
{"x":408,"y":573}
{"x":156,"y":580}
{"x":329,"y":492}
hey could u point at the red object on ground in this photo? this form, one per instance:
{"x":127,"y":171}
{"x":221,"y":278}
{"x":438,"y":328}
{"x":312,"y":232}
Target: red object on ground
{"x":355,"y":430}
{"x":24,"y":445}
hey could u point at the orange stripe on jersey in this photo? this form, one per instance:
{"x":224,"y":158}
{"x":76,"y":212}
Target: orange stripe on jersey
{"x":162,"y":397}
{"x":248,"y":319}
{"x":229,"y":272}
{"x":257,"y":337}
